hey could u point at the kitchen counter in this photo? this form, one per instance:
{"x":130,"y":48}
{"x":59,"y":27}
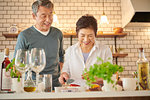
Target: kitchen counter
{"x":99,"y":95}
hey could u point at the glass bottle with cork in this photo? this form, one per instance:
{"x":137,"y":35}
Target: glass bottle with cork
{"x":143,"y":71}
{"x":5,"y":76}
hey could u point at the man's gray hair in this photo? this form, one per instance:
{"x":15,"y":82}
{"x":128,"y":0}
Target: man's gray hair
{"x":44,"y":3}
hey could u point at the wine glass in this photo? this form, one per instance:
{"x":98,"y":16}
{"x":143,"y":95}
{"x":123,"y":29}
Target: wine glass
{"x":38,"y":62}
{"x":22,"y":62}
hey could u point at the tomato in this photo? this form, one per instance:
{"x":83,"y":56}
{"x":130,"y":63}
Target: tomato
{"x":74,"y":85}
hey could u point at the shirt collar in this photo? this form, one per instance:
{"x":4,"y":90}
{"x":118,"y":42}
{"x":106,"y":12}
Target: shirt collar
{"x":44,"y":33}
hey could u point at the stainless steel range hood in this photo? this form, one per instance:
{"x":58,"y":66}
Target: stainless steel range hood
{"x":135,"y":11}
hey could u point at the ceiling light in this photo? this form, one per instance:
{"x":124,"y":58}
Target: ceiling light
{"x":55,"y":19}
{"x":104,"y":19}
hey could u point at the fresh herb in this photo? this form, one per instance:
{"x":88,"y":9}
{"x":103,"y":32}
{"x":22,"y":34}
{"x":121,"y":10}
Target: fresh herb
{"x":104,"y":70}
{"x":13,"y":72}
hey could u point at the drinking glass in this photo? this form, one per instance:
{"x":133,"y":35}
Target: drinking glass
{"x":22,"y":62}
{"x":129,"y":84}
{"x":38,"y":62}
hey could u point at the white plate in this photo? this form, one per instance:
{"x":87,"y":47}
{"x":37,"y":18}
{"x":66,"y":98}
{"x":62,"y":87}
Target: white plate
{"x":69,"y":89}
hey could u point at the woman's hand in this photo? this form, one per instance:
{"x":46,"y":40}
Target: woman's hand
{"x":63,"y":76}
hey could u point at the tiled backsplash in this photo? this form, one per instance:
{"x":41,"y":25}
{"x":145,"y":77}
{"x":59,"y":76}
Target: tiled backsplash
{"x":68,"y":11}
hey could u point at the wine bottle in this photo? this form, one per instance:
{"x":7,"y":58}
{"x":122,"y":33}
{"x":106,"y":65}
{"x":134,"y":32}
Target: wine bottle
{"x":5,"y":76}
{"x":143,"y":71}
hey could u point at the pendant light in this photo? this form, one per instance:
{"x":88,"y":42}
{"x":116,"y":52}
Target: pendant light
{"x":104,"y":19}
{"x":55,"y":19}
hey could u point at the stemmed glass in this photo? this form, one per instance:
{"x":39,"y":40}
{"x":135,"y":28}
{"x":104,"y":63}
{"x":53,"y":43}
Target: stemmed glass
{"x":22,"y":62}
{"x":38,"y":62}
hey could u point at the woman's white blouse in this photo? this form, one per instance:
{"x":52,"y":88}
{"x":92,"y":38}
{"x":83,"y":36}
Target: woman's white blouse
{"x":74,"y":60}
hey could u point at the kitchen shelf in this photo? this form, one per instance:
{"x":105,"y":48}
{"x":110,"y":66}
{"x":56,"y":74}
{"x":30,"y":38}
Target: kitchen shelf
{"x":11,"y":35}
{"x":69,"y":35}
{"x":119,"y":55}
{"x":107,"y":35}
{"x":111,"y":35}
{"x":74,"y":36}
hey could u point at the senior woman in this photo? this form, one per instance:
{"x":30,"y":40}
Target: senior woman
{"x":84,"y":53}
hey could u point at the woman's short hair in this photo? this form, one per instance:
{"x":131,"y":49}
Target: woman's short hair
{"x":86,"y":21}
{"x":44,"y":3}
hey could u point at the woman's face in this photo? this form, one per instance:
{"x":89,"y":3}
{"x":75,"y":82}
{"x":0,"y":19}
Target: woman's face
{"x":86,"y":37}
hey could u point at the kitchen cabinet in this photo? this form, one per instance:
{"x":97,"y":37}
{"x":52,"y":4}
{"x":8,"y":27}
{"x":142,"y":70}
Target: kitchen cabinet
{"x":106,"y":35}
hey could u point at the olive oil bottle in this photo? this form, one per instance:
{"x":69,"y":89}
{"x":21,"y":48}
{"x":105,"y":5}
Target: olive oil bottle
{"x":29,"y":84}
{"x":143,"y":71}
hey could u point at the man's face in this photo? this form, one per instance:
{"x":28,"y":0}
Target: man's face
{"x":43,"y":18}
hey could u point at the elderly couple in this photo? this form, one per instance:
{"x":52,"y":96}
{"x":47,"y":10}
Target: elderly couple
{"x":77,"y":57}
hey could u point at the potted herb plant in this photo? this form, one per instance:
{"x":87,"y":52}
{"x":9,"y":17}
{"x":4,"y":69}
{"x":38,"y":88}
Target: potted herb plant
{"x":13,"y":72}
{"x":15,"y":75}
{"x":105,"y":70}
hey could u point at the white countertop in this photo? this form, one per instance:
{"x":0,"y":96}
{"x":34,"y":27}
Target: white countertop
{"x":51,"y":95}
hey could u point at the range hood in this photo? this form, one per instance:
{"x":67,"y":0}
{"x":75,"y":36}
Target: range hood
{"x":135,"y":11}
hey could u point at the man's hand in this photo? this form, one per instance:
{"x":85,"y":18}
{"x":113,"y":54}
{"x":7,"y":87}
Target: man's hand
{"x":63,"y":76}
